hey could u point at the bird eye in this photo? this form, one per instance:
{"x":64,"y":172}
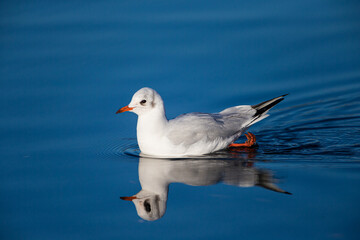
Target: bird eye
{"x":143,"y":102}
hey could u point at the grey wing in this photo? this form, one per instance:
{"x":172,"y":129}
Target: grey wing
{"x":193,"y":127}
{"x":228,"y":124}
{"x":243,"y":116}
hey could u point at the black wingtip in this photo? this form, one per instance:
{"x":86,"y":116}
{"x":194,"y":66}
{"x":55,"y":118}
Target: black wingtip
{"x":267,"y":105}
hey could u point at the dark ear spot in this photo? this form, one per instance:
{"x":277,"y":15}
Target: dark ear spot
{"x":147,"y":206}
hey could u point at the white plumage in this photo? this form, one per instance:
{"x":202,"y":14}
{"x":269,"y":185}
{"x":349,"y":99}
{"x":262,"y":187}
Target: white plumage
{"x":155,"y":176}
{"x":193,"y":133}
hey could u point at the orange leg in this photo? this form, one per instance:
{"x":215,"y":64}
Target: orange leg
{"x":250,"y":142}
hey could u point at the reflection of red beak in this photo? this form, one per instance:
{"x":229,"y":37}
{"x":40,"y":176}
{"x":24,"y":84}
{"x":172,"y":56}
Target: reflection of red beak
{"x":128,"y":198}
{"x":124,"y":109}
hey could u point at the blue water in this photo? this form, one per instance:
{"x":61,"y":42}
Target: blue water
{"x":66,"y":158}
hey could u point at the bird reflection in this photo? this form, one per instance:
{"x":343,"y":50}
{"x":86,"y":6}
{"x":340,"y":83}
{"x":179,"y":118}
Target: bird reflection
{"x":155,"y":176}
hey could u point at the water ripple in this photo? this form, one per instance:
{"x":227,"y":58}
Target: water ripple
{"x":125,"y":147}
{"x":328,"y":128}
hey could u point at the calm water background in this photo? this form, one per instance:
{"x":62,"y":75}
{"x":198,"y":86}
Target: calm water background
{"x":66,"y":67}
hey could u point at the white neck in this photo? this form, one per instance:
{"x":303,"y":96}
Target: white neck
{"x":152,"y":121}
{"x":153,"y":177}
{"x":151,"y":127}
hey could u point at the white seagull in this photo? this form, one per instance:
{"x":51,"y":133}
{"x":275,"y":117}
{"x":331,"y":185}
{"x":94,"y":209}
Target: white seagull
{"x":155,"y":176}
{"x":192,"y":134}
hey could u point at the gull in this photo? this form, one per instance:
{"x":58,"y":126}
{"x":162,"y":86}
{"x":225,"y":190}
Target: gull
{"x":155,"y":176}
{"x":192,"y":134}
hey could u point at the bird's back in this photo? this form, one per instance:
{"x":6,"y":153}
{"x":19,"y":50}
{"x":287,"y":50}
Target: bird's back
{"x":227,"y":125}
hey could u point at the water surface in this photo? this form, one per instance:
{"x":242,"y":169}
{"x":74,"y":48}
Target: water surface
{"x":66,"y":158}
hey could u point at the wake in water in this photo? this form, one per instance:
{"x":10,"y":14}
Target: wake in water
{"x":328,"y":128}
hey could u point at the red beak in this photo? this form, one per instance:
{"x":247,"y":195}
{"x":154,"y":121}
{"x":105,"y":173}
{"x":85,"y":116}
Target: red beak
{"x":124,"y":109}
{"x":128,"y":198}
